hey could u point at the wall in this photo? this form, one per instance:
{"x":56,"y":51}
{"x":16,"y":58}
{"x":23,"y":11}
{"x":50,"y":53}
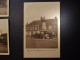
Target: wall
{"x":69,"y":30}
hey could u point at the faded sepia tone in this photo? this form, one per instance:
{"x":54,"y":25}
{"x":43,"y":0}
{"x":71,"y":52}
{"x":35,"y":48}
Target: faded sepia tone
{"x":42,"y":33}
{"x":4,"y":8}
{"x":41,"y":29}
{"x":4,"y":37}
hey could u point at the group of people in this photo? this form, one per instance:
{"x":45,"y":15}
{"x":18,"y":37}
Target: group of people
{"x":43,"y":35}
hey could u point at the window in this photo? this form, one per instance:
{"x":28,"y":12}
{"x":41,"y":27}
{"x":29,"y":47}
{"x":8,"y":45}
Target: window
{"x":31,"y":28}
{"x":27,"y":28}
{"x":35,"y":27}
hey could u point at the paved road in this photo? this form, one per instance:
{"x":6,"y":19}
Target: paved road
{"x":41,"y":43}
{"x":3,"y":48}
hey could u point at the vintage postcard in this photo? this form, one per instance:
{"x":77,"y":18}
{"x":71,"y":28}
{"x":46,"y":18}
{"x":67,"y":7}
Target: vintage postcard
{"x":42,"y":30}
{"x":4,"y":8}
{"x":4,"y":37}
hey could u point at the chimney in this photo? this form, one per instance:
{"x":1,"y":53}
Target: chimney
{"x":42,"y":18}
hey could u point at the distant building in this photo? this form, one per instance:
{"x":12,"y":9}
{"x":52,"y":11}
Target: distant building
{"x":41,"y":26}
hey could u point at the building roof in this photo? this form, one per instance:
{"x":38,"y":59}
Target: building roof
{"x":39,"y":22}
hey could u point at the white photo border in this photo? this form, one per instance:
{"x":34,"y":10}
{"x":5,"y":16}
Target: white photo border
{"x":52,"y":53}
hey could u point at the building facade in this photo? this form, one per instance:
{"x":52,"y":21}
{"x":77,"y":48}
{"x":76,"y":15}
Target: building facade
{"x":42,"y":26}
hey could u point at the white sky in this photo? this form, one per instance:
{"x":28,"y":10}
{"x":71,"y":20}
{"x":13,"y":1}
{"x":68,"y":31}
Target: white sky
{"x":34,"y":10}
{"x":3,"y":26}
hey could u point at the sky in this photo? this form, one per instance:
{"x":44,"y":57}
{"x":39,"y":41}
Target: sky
{"x":34,"y":10}
{"x":3,"y":26}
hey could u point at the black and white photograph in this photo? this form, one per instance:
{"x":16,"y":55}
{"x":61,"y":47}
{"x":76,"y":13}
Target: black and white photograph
{"x":42,"y":33}
{"x":4,"y":37}
{"x":4,"y":8}
{"x":41,"y":28}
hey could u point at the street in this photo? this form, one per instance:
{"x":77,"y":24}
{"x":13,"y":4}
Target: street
{"x":3,"y":48}
{"x":41,"y":43}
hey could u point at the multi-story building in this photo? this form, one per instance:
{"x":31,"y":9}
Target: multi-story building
{"x":41,"y":26}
